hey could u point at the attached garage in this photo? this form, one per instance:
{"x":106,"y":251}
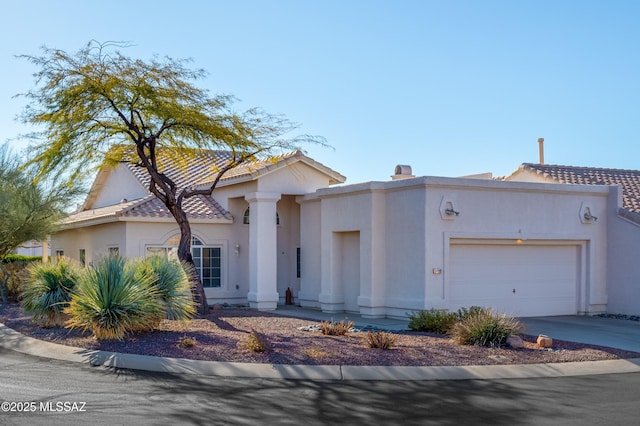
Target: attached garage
{"x":529,"y":279}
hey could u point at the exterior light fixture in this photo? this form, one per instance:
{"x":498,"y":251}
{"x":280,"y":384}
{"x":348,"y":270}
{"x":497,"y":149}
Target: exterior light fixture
{"x":450,"y":212}
{"x":588,"y":216}
{"x":237,"y":250}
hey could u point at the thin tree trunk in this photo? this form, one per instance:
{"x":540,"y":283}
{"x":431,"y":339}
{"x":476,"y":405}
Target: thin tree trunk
{"x":184,"y":254}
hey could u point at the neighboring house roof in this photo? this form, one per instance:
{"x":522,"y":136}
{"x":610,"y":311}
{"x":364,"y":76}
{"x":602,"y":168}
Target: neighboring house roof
{"x":629,"y":180}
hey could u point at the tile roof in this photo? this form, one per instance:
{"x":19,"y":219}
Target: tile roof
{"x":187,"y":171}
{"x":201,"y":167}
{"x":629,"y":180}
{"x":198,"y":207}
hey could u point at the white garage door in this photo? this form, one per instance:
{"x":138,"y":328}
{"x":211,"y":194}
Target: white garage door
{"x":520,"y":280}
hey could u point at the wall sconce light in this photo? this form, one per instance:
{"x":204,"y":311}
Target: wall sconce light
{"x":237,"y":250}
{"x":521,"y":237}
{"x":588,"y":216}
{"x":450,"y":212}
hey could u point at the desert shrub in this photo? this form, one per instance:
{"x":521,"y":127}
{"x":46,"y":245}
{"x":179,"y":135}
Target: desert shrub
{"x":484,"y":327}
{"x":172,"y":284}
{"x":255,"y":342}
{"x":315,"y":352}
{"x":13,"y":275}
{"x":330,"y":328}
{"x":464,"y":313}
{"x":187,"y":342}
{"x":432,"y":320}
{"x":47,"y":290}
{"x":380,"y":340}
{"x":113,"y":298}
{"x":12,"y":258}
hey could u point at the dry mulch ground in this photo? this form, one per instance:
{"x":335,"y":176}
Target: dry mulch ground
{"x":219,"y":337}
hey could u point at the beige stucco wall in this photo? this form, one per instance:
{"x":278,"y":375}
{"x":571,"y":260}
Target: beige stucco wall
{"x":623,"y":268}
{"x":404,"y":236}
{"x":119,"y":184}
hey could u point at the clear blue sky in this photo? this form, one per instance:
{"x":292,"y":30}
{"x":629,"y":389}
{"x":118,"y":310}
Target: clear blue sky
{"x":449,"y":87}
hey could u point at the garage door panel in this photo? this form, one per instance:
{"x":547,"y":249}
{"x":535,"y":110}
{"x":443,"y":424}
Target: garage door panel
{"x":516,"y":279}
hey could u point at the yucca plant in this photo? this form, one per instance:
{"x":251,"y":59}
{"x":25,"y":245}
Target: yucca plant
{"x":47,"y":290}
{"x":113,"y":298}
{"x":172,"y":283}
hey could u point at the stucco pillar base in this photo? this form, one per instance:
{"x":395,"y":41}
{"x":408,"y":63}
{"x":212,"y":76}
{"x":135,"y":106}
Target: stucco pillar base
{"x":263,"y":301}
{"x":308,"y":300}
{"x":373,"y":312}
{"x":331,"y":304}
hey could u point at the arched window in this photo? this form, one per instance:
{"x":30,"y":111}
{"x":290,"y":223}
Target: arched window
{"x":246,"y":215}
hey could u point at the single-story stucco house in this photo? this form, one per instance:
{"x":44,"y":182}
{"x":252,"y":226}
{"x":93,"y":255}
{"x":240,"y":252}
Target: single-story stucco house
{"x":534,"y":243}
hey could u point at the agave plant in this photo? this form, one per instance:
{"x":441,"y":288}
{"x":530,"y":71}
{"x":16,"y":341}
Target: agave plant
{"x":172,"y":283}
{"x":113,"y":298}
{"x":47,"y":290}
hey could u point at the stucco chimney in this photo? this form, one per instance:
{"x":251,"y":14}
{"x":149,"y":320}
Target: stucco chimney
{"x":402,"y":171}
{"x":541,"y":150}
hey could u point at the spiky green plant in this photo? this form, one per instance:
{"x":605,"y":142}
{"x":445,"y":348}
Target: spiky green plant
{"x":173,"y":286}
{"x":113,"y":298}
{"x":484,"y":327}
{"x":47,"y":290}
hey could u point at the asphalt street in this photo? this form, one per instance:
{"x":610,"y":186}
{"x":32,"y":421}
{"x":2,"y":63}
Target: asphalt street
{"x":51,"y":392}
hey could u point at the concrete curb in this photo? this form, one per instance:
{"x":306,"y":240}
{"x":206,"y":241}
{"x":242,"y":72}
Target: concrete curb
{"x":13,"y":340}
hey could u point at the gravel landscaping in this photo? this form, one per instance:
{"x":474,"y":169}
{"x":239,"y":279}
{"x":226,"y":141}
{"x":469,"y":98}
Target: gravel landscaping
{"x":220,"y":335}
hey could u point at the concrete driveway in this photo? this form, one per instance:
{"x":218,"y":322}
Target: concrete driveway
{"x":615,"y":333}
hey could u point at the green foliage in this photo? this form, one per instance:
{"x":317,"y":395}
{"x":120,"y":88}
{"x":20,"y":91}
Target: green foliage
{"x":432,"y":320}
{"x":464,"y":313}
{"x":255,"y":342}
{"x":380,"y":340}
{"x":330,"y":328}
{"x":113,"y":299}
{"x":13,"y":275}
{"x":13,"y":258}
{"x":172,"y":284}
{"x":29,"y":210}
{"x":47,"y":291}
{"x":484,"y":327}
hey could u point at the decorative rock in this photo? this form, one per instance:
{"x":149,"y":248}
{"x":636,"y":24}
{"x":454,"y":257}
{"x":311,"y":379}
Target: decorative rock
{"x":544,"y":341}
{"x":515,"y":342}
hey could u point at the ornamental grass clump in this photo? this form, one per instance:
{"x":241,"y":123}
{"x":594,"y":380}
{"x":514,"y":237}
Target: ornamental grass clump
{"x":255,"y":342}
{"x":173,"y":286}
{"x":484,"y":327}
{"x":330,"y":328}
{"x":113,"y":298}
{"x":47,"y":290}
{"x":380,"y":340}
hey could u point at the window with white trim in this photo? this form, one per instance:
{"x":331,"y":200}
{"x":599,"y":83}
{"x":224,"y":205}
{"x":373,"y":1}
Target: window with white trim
{"x":207,"y":259}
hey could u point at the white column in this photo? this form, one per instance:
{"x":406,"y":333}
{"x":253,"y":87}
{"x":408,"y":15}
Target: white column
{"x":263,"y":250}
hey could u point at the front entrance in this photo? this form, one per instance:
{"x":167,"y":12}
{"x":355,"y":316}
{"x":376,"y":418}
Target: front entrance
{"x":347,"y":268}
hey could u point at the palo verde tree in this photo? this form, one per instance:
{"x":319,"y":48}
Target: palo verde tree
{"x":91,"y":101}
{"x":29,"y":210}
